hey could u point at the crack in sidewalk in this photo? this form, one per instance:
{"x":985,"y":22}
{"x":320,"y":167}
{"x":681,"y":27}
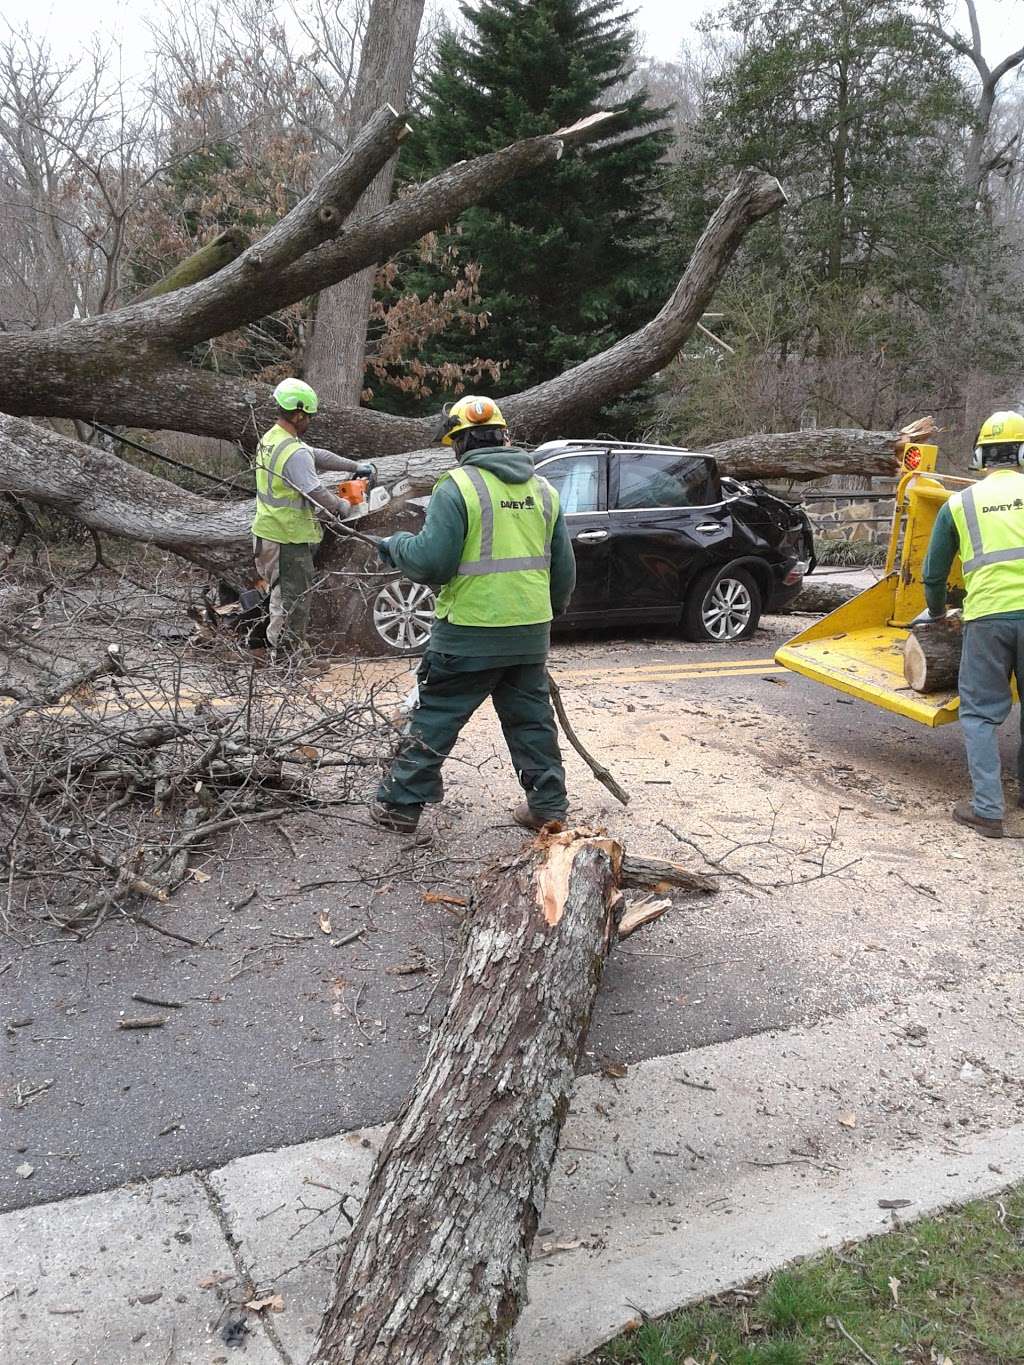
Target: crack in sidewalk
{"x":244,"y":1273}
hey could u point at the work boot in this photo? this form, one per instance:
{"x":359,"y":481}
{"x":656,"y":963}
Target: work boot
{"x":529,"y":819}
{"x":965,"y":814}
{"x":398,"y":819}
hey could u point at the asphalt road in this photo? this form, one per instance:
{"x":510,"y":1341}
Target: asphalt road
{"x":277,"y":1032}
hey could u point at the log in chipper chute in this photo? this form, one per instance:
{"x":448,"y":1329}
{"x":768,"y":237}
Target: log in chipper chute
{"x":859,"y":647}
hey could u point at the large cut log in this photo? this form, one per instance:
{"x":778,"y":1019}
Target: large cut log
{"x":434,"y":1272}
{"x":931,"y":655}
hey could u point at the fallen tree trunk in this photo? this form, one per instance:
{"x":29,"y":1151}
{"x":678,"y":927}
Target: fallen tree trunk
{"x":817,"y":599}
{"x":434,"y":1272}
{"x":931,"y":655}
{"x":113,"y":497}
{"x":809,"y":454}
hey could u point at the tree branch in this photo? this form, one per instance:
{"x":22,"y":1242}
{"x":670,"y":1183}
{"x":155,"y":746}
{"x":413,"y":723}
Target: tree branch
{"x":639,"y":356}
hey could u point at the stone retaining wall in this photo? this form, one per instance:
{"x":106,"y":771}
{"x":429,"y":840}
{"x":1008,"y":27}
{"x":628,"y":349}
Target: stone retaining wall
{"x":844,"y":515}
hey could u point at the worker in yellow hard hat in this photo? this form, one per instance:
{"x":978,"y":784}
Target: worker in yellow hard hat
{"x":495,"y":537}
{"x":285,"y":528}
{"x":984,"y":525}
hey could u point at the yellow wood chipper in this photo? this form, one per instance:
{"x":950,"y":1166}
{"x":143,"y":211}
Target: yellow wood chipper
{"x":858,"y":648}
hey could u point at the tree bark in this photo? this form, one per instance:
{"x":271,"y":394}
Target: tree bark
{"x":976,"y":168}
{"x":931,"y":655}
{"x":336,"y":357}
{"x":128,"y":366}
{"x":434,"y":1272}
{"x":637,"y":357}
{"x":113,"y":497}
{"x":817,"y":599}
{"x":226,"y":247}
{"x":809,"y":454}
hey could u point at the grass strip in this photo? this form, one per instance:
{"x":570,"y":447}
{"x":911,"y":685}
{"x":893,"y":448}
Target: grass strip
{"x":947,"y":1290}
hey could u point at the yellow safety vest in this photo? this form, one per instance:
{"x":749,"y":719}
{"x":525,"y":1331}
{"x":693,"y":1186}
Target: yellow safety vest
{"x":504,"y":576}
{"x":282,"y":513}
{"x":989,"y":520}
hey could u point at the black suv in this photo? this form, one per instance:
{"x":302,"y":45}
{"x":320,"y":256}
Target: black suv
{"x":659,"y":536}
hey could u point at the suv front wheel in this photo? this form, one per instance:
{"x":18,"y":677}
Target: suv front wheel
{"x":722,"y":605}
{"x":396,"y":618}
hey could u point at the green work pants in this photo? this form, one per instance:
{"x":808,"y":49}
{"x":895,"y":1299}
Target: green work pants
{"x":450,"y":690}
{"x":288,"y":570}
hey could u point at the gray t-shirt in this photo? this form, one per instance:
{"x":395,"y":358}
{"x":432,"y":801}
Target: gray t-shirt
{"x":299,"y":470}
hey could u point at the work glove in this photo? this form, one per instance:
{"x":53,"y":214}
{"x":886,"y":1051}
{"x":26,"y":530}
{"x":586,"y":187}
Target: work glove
{"x":366,"y":470}
{"x":383,"y":549}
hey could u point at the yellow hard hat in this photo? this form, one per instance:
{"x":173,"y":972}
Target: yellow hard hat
{"x":1000,"y":440}
{"x":466,"y":413}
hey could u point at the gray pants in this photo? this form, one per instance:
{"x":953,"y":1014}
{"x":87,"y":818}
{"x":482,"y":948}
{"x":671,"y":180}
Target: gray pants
{"x":993,"y":653}
{"x":288,"y":569}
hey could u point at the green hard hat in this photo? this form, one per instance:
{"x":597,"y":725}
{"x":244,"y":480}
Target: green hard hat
{"x":295,"y":393}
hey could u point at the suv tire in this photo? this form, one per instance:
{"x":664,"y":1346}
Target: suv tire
{"x":722,"y":606}
{"x":395,"y":619}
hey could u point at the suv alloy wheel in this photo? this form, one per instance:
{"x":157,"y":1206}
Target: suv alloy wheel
{"x":402,"y":613}
{"x":722,"y":605}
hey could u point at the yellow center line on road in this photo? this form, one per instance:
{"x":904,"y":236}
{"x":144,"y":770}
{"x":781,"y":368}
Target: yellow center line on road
{"x":695,"y":665}
{"x":671,"y":674}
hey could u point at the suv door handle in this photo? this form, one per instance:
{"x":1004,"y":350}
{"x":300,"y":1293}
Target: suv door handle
{"x":710,"y":526}
{"x":592,"y":535}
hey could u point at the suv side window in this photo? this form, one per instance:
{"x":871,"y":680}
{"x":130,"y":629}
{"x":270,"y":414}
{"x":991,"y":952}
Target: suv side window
{"x":657,"y":479}
{"x":578,"y":481}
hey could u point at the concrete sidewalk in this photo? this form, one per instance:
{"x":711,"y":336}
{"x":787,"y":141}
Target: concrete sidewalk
{"x":693,"y":1173}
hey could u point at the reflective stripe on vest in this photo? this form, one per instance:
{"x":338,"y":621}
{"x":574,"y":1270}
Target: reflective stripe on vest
{"x":487,"y":563}
{"x":989,"y":521}
{"x":272,"y":470}
{"x":282,"y":513}
{"x":496,"y":583}
{"x":980,"y":557}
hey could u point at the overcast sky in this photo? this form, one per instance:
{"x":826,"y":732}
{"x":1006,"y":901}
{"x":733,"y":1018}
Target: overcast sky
{"x":665,"y":24}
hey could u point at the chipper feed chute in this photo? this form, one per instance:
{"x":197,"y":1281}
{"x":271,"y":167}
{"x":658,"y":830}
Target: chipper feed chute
{"x":859,"y":647}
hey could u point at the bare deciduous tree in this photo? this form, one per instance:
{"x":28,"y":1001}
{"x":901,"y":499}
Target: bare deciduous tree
{"x":335,"y":357}
{"x":983,"y":158}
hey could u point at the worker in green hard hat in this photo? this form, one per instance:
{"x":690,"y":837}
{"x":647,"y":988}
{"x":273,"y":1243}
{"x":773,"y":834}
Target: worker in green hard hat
{"x":285,"y":528}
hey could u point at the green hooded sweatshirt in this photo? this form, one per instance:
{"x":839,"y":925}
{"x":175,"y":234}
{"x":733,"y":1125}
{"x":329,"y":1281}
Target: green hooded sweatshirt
{"x":434,"y":554}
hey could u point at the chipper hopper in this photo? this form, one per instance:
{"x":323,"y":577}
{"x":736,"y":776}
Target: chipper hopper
{"x":858,"y":648}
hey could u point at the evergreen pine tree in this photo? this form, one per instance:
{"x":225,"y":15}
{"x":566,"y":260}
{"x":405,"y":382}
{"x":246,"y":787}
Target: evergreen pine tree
{"x":568,"y":256}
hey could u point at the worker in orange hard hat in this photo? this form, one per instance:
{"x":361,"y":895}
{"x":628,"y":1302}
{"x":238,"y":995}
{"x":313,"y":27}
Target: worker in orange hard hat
{"x":495,"y":537}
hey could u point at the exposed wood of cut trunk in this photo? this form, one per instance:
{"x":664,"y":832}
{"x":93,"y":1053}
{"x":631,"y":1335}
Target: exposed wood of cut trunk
{"x":931,"y":655}
{"x":434,"y":1272}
